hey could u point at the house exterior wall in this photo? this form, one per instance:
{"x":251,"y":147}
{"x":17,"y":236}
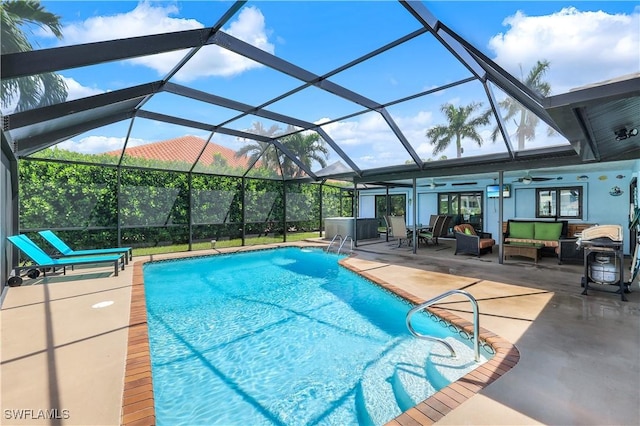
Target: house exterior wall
{"x":599,"y":206}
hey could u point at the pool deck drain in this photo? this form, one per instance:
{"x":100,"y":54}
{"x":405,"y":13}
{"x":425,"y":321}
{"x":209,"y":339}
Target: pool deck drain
{"x":138,"y":399}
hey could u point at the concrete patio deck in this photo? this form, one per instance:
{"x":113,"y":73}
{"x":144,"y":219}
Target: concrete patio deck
{"x":579,"y":355}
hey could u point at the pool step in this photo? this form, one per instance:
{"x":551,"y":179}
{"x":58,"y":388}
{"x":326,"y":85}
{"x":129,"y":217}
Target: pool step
{"x":410,"y":385}
{"x":362,"y":413}
{"x":442,"y":369}
{"x":394,"y":383}
{"x":410,"y":382}
{"x":375,"y":399}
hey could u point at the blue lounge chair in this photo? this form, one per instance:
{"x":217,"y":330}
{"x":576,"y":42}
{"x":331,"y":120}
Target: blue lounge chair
{"x":43,"y":260}
{"x":65,"y":250}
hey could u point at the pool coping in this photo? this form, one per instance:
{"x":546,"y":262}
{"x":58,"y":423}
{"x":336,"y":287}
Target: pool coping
{"x":138,"y":399}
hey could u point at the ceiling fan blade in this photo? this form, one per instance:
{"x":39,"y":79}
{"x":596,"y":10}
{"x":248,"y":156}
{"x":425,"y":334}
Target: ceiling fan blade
{"x":432,"y":185}
{"x":464,"y":183}
{"x":541,"y":179}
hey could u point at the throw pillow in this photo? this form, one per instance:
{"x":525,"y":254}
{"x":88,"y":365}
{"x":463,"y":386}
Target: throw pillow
{"x":548,"y":231}
{"x":468,"y":231}
{"x":522,"y":230}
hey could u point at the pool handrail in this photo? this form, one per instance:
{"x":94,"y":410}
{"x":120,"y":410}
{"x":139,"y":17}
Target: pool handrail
{"x":339,"y":237}
{"x":348,"y":237}
{"x":476,"y":321}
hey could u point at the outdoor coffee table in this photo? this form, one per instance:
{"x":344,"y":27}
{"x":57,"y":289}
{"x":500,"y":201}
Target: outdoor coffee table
{"x":532,"y":251}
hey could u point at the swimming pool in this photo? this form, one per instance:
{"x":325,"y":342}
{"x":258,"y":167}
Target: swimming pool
{"x":286,"y":336}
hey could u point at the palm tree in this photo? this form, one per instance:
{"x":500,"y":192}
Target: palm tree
{"x":527,"y":121}
{"x":255,"y":149}
{"x":461,"y":125}
{"x":308,"y":147}
{"x":33,"y":91}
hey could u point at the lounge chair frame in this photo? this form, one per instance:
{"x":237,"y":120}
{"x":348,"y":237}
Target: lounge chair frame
{"x":42,"y":260}
{"x":65,"y":250}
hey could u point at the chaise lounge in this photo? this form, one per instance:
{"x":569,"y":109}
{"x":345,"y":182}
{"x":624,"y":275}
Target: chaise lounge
{"x":65,"y":250}
{"x":42,"y":260}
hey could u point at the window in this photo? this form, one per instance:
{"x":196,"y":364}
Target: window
{"x":397,"y":206}
{"x":463,"y":207}
{"x":564,"y":203}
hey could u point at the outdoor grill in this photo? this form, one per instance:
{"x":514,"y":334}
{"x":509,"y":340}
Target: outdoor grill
{"x":603,"y":259}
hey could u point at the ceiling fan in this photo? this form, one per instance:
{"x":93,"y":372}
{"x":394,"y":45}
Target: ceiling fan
{"x":527,"y":179}
{"x":433,"y":184}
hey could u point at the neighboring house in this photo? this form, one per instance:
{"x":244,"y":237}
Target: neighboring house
{"x":186,"y":149}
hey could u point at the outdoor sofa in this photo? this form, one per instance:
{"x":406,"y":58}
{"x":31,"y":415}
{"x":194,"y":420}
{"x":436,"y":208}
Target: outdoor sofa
{"x":544,"y":232}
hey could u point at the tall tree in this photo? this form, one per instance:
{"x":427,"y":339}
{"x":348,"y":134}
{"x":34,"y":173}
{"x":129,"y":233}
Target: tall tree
{"x":308,"y":147}
{"x":32,"y":91}
{"x":461,"y":126}
{"x":526,"y":121}
{"x":255,"y":149}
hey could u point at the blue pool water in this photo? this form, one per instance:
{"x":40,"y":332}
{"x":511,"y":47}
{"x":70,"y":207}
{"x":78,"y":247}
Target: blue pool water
{"x":287,"y":337}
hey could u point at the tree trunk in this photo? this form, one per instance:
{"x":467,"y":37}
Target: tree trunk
{"x":521,"y":130}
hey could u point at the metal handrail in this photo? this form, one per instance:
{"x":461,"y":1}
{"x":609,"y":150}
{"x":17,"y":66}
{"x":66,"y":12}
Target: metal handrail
{"x":476,"y":321}
{"x":348,"y":237}
{"x":334,"y":238}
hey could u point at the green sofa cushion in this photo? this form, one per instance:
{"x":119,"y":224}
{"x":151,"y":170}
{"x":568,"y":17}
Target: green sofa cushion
{"x":547,"y":231}
{"x":524,"y":230}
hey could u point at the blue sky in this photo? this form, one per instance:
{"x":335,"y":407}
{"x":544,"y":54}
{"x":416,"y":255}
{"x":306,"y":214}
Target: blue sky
{"x":585,"y":42}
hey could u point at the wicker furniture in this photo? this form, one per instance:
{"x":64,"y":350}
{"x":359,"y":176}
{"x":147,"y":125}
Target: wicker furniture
{"x":542,"y":232}
{"x":468,"y":240}
{"x":530,"y":250}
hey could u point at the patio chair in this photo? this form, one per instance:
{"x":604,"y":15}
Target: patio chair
{"x":432,"y":222}
{"x":65,"y":250}
{"x":468,"y":241}
{"x":398,"y":229}
{"x":42,"y":260}
{"x":440,"y":225}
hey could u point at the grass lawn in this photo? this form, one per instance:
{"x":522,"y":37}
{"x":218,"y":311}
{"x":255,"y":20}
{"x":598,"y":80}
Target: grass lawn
{"x":206,"y":245}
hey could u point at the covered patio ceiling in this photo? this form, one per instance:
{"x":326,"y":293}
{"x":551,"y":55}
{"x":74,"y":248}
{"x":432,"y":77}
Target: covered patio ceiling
{"x":586,"y":122}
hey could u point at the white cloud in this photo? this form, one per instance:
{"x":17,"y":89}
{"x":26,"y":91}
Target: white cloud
{"x":582,"y":47}
{"x":149,"y":18}
{"x":76,"y":90}
{"x":369,"y":140}
{"x":365,"y":130}
{"x":216,"y":61}
{"x":98,"y":144}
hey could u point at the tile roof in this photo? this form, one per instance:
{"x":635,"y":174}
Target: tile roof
{"x":186,"y":149}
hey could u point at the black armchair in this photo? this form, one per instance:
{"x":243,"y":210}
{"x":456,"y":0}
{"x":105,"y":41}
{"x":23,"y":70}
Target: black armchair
{"x":468,"y":241}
